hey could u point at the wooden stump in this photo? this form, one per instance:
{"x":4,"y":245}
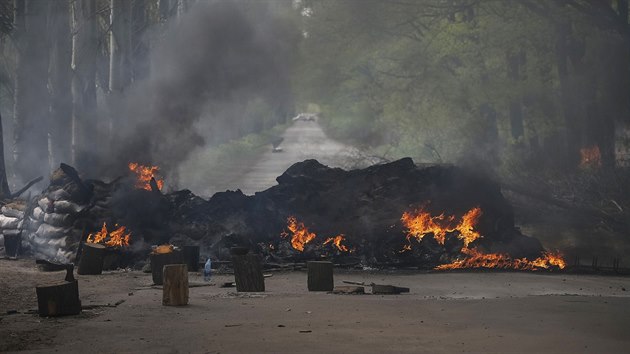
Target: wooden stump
{"x":111,"y":259}
{"x":11,"y":245}
{"x":320,"y":276}
{"x":175,"y":290}
{"x":91,"y":261}
{"x":159,"y":260}
{"x":248,"y":273}
{"x":58,"y":299}
{"x":191,"y":258}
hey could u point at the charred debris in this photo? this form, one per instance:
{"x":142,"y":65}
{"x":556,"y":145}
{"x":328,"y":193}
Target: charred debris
{"x":397,"y":214}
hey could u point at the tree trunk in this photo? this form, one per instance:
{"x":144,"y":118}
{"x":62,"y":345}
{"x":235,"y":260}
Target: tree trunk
{"x":248,"y":273}
{"x":60,"y":82}
{"x":139,"y":44}
{"x":320,"y":276}
{"x":5,"y":193}
{"x":59,"y":299}
{"x":31,"y":117}
{"x":84,"y":54}
{"x":175,"y":290}
{"x":119,"y":57}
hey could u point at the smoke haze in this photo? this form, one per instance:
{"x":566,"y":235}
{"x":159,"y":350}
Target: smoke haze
{"x":208,"y":66}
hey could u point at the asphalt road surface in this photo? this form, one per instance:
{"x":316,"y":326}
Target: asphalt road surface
{"x":303,"y":140}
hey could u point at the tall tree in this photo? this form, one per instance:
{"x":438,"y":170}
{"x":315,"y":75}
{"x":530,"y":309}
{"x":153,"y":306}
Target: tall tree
{"x":84,"y":56}
{"x":139,"y":44}
{"x":6,"y":26}
{"x":60,"y":82}
{"x":120,"y":56}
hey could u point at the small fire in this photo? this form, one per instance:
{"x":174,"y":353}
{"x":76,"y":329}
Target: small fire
{"x":144,"y":175}
{"x":300,"y":235}
{"x":163,"y":249}
{"x":336,"y":241}
{"x":116,"y":238}
{"x":591,"y":157}
{"x":477,"y":259}
{"x":420,"y":223}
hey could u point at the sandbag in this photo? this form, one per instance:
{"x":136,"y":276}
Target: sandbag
{"x":10,"y":212}
{"x":51,"y":254}
{"x":67,"y":207}
{"x":44,"y":204}
{"x":33,"y":224}
{"x":38,"y":213}
{"x":59,"y":220}
{"x":8,"y":222}
{"x":48,"y":231}
{"x":59,"y":194}
{"x":11,"y":231}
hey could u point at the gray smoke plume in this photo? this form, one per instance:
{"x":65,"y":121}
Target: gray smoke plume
{"x":209,"y":63}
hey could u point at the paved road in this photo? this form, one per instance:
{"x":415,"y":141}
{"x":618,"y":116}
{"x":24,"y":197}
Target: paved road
{"x":303,"y":140}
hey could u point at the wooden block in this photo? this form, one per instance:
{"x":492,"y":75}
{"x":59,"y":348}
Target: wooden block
{"x":248,"y":273}
{"x":91,"y":261}
{"x":58,"y":299}
{"x":158,"y":261}
{"x":12,"y":244}
{"x":320,"y":276}
{"x":175,"y":290}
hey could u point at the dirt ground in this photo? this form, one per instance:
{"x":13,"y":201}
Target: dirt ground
{"x":469,"y":312}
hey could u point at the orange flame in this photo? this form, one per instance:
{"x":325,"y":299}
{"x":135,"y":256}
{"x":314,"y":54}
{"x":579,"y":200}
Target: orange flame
{"x":420,"y":223}
{"x":476,"y":259}
{"x":300,"y":235}
{"x":591,"y":157}
{"x":336,"y":241}
{"x":162,"y":249}
{"x":116,"y":238}
{"x":144,"y":175}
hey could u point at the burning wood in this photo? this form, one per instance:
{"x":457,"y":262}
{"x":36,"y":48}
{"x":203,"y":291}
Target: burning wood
{"x":336,"y":241}
{"x":477,"y":259}
{"x":116,"y":238}
{"x":300,"y":236}
{"x":144,"y":174}
{"x":163,"y":249}
{"x":421,"y":223}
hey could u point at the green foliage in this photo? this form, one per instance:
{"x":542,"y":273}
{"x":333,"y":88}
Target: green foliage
{"x":413,"y":78}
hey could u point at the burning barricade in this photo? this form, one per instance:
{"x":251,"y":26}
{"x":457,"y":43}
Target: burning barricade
{"x":390,"y":215}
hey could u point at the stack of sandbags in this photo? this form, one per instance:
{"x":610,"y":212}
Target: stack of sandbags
{"x":53,"y":231}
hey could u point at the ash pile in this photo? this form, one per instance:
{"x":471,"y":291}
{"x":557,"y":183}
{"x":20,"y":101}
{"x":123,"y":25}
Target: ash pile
{"x":397,"y":214}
